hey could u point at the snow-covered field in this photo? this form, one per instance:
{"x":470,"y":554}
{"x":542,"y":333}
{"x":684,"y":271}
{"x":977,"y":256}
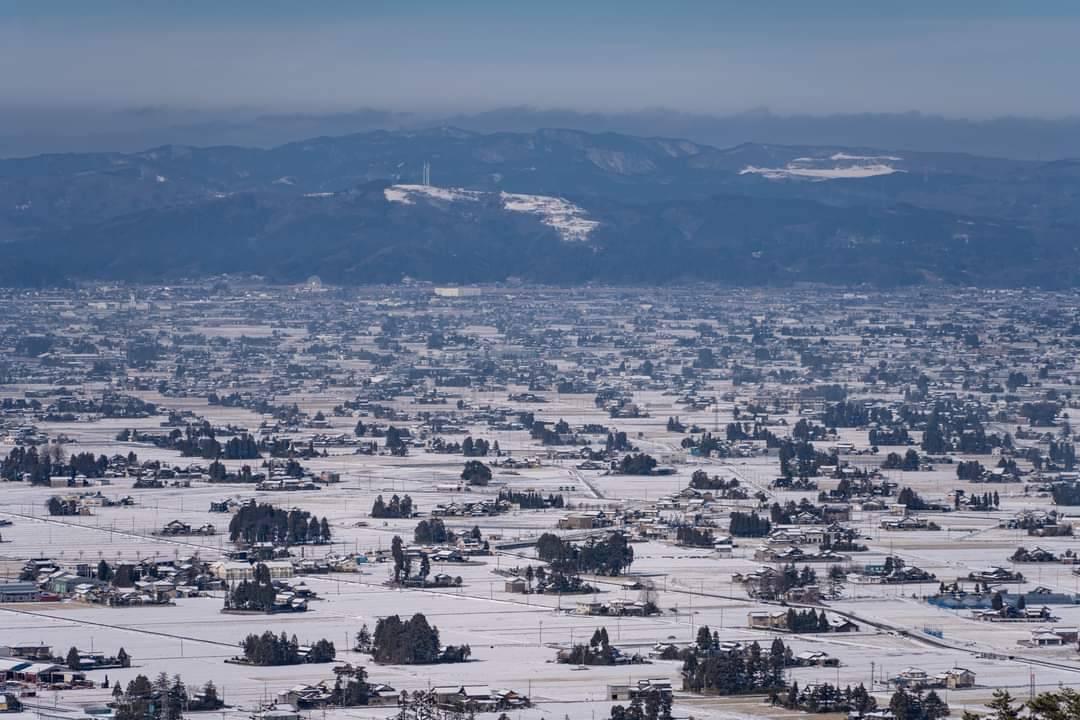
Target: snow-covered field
{"x":514,"y":637}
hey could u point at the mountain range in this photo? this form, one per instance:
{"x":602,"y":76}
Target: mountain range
{"x":549,"y":205}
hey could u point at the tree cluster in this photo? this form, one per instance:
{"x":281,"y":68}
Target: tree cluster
{"x":257,"y":594}
{"x":531,"y":500}
{"x":398,"y":507}
{"x":806,"y":621}
{"x":802,"y":459}
{"x":636,"y":464}
{"x":748,"y":525}
{"x":746,"y":669}
{"x":412,"y":642}
{"x":694,"y":537}
{"x":609,"y":555}
{"x":475,"y":448}
{"x":271,"y":649}
{"x":162,"y":699}
{"x":913,"y":705}
{"x":909,"y":462}
{"x":433,"y":532}
{"x":262,"y":522}
{"x":598,"y":651}
{"x":476,"y":472}
{"x":1062,"y":704}
{"x":40,"y":467}
{"x":826,"y":698}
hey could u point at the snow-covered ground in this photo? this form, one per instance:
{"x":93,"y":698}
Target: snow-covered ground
{"x":514,"y":637}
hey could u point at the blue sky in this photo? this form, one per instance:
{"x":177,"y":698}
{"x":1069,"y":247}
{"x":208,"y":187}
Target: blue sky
{"x":962,"y":58}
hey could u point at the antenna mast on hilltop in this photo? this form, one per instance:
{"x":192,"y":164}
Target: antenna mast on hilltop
{"x":426,"y":181}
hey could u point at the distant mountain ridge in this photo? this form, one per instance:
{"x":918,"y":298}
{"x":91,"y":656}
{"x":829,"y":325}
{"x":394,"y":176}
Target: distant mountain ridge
{"x":552,"y":205}
{"x":28,"y":131}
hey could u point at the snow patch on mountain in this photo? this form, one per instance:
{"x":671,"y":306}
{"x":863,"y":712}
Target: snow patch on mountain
{"x":407,"y":194}
{"x":837,"y":166}
{"x":569,"y":220}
